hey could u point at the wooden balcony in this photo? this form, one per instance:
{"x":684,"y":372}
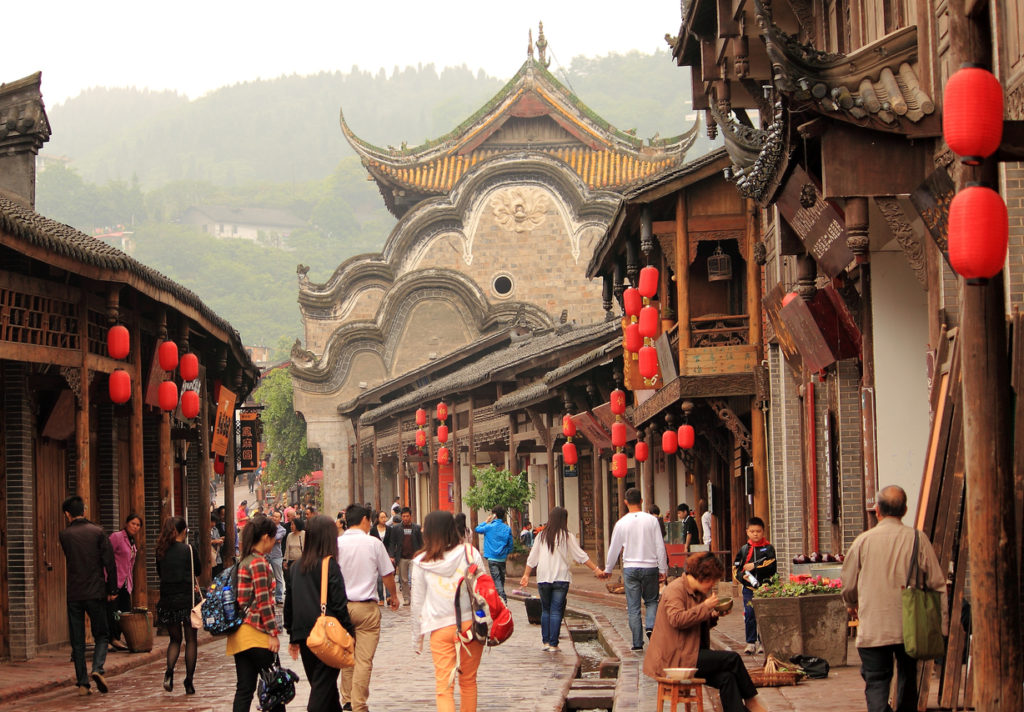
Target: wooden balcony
{"x":720,"y":345}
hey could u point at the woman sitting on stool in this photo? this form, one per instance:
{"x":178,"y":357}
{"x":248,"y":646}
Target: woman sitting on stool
{"x":682,"y":636}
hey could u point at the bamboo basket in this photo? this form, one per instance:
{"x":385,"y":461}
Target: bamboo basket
{"x":137,"y":630}
{"x":760,"y":678}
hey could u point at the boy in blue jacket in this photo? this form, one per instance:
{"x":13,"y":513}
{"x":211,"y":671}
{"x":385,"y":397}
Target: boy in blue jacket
{"x":755,"y":563}
{"x":497,"y":546}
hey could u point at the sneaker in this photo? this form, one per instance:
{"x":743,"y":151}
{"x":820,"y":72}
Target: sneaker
{"x":553,"y":648}
{"x":637,"y":648}
{"x":760,"y":649}
{"x":545,"y":647}
{"x":347,"y":707}
{"x":100,"y":683}
{"x":749,"y":650}
{"x":650,"y":632}
{"x":83,"y":691}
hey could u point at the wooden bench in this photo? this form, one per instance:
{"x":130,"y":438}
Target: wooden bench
{"x":688,"y":692}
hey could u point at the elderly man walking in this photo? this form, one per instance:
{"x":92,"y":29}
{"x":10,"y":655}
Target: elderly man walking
{"x":874,"y":574}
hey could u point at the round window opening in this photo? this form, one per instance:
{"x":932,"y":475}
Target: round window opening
{"x":502,"y":285}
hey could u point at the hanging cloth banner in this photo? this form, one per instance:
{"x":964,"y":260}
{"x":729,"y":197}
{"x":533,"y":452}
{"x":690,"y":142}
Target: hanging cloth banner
{"x":224,"y":425}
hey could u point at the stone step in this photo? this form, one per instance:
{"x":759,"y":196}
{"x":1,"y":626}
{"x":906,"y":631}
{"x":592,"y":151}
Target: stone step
{"x":601,"y":699}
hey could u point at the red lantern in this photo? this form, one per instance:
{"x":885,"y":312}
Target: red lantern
{"x":421,"y":438}
{"x":120,"y":386}
{"x":421,"y":416}
{"x":118,"y":342}
{"x":442,"y":433}
{"x":978,"y":232}
{"x":442,"y":456}
{"x":669,"y":442}
{"x":685,"y":436}
{"x":633,"y":340}
{"x":641,"y":452}
{"x":648,"y":284}
{"x":189,"y":404}
{"x":168,"y":355}
{"x":167,"y":396}
{"x":618,"y":401}
{"x":649,"y":322}
{"x":618,"y":435}
{"x":972,"y":114}
{"x":218,"y":465}
{"x":442,"y":411}
{"x":568,"y":426}
{"x":648,"y":362}
{"x":569,"y":454}
{"x":632,"y":302}
{"x":189,"y":367}
{"x":619,"y":464}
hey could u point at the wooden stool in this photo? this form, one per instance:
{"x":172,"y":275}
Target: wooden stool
{"x":675,"y":691}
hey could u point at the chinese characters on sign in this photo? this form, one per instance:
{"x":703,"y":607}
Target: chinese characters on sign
{"x":224,"y":424}
{"x":248,"y":454}
{"x":816,"y":221}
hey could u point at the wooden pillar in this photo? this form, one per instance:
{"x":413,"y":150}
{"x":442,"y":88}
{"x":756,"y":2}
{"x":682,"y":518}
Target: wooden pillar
{"x":83,"y":476}
{"x":205,"y":476}
{"x":758,"y":447}
{"x":595,"y":460}
{"x":647,"y":470}
{"x":513,"y":465}
{"x":471,"y":454}
{"x":682,"y":278}
{"x":552,"y":485}
{"x":433,"y":474}
{"x":456,"y":460}
{"x":357,"y":493}
{"x":137,"y":478}
{"x":166,"y":469}
{"x":230,"y":537}
{"x":376,"y":475}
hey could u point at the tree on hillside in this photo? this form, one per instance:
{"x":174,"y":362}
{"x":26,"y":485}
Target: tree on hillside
{"x":285,"y":433}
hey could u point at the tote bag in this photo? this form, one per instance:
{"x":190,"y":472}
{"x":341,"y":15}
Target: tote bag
{"x":922,"y":615}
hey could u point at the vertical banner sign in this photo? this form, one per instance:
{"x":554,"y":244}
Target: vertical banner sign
{"x":224,"y":425}
{"x":248,"y":454}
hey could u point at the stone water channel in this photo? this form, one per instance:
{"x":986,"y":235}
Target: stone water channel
{"x":594,"y":688}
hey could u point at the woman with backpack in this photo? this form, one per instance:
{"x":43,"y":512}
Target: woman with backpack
{"x":254,"y":645}
{"x":176,"y":564}
{"x":551,"y":554}
{"x":302,"y":608}
{"x":436,"y":570}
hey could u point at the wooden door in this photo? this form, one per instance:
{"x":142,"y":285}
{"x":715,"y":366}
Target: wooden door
{"x":51,"y":572}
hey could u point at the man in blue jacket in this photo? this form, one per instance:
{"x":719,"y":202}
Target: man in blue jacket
{"x":497,"y":546}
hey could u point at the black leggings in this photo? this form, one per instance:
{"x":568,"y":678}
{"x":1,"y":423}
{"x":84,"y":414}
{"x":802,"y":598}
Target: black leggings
{"x":174,"y":647}
{"x":724,"y":670}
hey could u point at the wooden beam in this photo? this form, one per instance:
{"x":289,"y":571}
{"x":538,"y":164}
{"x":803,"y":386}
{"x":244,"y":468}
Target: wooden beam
{"x":205,"y":477}
{"x":83,"y":481}
{"x":759,"y":449}
{"x":471,"y":454}
{"x":137,"y":476}
{"x":682,"y":271}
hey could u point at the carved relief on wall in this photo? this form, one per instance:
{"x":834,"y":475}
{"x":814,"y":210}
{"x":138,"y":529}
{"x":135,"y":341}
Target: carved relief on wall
{"x":520,"y":209}
{"x":1015,"y":102}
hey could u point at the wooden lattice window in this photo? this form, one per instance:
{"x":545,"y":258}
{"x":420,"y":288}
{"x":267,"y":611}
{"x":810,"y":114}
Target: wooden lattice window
{"x":38,"y":320}
{"x":97,"y":331}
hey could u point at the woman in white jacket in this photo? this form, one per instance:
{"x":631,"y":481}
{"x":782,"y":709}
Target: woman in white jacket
{"x":436,"y":571}
{"x":550,"y":555}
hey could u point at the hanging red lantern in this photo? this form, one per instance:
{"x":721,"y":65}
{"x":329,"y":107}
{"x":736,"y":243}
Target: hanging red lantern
{"x":120,"y":386}
{"x":632,"y":302}
{"x":189,"y":367}
{"x":421,"y":416}
{"x":421,"y":438}
{"x":568,"y":426}
{"x":649,"y":322}
{"x":669,"y":442}
{"x":972,"y":113}
{"x":618,"y":435}
{"x":167,"y":396}
{"x":569,"y":454}
{"x":619,"y":464}
{"x":442,"y":411}
{"x":189,"y":404}
{"x":978,"y":233}
{"x":443,"y":456}
{"x":168,"y":355}
{"x":648,"y":283}
{"x":618,"y":401}
{"x":642,"y":451}
{"x":118,"y":342}
{"x":648,"y":362}
{"x":218,"y":465}
{"x":442,"y":433}
{"x":685,"y":436}
{"x":633,"y":340}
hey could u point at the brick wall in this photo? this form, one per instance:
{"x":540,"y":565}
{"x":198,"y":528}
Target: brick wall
{"x":1013,"y":191}
{"x":851,"y":461}
{"x":109,"y":506}
{"x":196,"y":518}
{"x":151,"y":473}
{"x":785,"y":463}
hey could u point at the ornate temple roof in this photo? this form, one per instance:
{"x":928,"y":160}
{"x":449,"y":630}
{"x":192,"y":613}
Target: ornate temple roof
{"x":535,"y":112}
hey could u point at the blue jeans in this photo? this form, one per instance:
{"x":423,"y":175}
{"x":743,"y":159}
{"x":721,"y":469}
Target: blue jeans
{"x":277,"y":564}
{"x":498,"y":574}
{"x":97,"y":610}
{"x":641,"y":584}
{"x":749,"y":619}
{"x":552,"y":607}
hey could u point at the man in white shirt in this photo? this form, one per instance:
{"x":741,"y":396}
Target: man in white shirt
{"x":362,"y":559}
{"x":637,"y":537}
{"x":705,"y":522}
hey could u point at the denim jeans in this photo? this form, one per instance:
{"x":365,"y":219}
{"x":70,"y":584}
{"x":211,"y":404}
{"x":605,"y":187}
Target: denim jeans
{"x":552,"y":605}
{"x":749,"y":619}
{"x":641,"y":584}
{"x":97,"y":610}
{"x":876,"y":669}
{"x":498,"y":574}
{"x":277,"y":564}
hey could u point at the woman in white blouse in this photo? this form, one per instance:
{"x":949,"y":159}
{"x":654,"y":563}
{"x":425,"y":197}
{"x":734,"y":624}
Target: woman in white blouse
{"x":551,"y":555}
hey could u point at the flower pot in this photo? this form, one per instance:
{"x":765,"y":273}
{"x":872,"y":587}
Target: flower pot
{"x":803,"y":625}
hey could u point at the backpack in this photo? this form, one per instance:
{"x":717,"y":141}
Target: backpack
{"x":218,"y":618}
{"x":492,"y":620}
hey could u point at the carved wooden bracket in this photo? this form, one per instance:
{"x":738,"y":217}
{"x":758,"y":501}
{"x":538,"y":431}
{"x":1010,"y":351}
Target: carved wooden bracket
{"x":732,"y":421}
{"x":900,"y":227}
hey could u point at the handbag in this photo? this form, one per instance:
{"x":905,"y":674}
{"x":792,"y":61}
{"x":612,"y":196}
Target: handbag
{"x":276,"y":686}
{"x":922,"y":615}
{"x":196,"y":617}
{"x":329,"y":640}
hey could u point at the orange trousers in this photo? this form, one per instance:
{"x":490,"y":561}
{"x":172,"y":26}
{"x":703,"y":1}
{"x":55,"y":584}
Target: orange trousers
{"x":442,"y":648}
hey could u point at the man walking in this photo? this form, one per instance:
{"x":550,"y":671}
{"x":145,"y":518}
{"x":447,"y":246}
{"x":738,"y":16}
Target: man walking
{"x":276,"y":557}
{"x":644,"y":563}
{"x":362,"y":559}
{"x":498,"y":545}
{"x":408,"y":540}
{"x":874,"y":574}
{"x":690,"y":534}
{"x":92,"y":581}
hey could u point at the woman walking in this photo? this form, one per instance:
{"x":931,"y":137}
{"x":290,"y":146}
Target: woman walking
{"x":176,"y":563}
{"x":436,"y":570}
{"x":294,"y":543}
{"x":123,"y":543}
{"x":550,"y":555}
{"x":382,"y":531}
{"x":254,"y":645}
{"x":302,"y":607}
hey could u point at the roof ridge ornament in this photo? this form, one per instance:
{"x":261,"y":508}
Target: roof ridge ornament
{"x":529,"y":44}
{"x":542,"y":47}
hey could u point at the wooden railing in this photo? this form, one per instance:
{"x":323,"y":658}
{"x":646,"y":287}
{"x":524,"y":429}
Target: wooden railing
{"x":719,"y":330}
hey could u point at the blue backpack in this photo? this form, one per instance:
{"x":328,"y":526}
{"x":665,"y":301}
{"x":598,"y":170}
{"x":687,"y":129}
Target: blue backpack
{"x":221,"y":614}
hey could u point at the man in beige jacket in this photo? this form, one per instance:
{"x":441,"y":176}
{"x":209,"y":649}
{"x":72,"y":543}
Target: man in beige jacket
{"x":874,"y":575}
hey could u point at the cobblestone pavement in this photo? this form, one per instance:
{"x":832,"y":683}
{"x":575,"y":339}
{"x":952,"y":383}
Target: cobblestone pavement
{"x":401,"y":679}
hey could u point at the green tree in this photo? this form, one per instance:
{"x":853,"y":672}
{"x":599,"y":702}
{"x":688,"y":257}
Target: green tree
{"x":285,"y":433}
{"x":494,"y":487}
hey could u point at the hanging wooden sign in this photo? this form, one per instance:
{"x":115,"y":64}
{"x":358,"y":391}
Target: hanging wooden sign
{"x":820,"y":226}
{"x":224,"y":425}
{"x":248,"y":440}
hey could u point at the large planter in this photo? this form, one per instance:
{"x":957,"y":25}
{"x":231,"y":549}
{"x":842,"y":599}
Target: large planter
{"x":803,"y":625}
{"x":515,"y":565}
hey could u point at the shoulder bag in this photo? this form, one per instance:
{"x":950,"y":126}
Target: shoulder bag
{"x":328,"y":640}
{"x":922,"y":615}
{"x":196,"y":617}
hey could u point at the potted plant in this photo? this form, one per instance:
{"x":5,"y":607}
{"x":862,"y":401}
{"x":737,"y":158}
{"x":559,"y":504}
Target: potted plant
{"x":513,"y":492}
{"x":805,"y":615}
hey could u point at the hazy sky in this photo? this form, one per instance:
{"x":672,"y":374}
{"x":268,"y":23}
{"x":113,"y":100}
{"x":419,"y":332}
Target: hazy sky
{"x":193,"y":47}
